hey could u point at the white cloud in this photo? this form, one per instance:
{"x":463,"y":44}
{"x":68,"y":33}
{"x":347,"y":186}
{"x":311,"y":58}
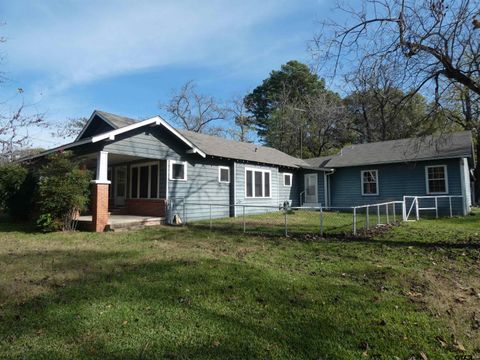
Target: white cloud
{"x":80,"y":41}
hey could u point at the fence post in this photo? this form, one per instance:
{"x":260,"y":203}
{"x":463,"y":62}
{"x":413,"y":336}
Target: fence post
{"x":321,"y":221}
{"x":386,"y":212}
{"x":450,"y":204}
{"x":210,"y":216}
{"x":417,"y":212}
{"x":367,"y":220}
{"x":244,"y":225}
{"x":378,"y":214}
{"x":285,"y":214}
{"x":436,"y":207}
{"x":404,"y":209}
{"x":394,"y":212}
{"x":355,"y":221}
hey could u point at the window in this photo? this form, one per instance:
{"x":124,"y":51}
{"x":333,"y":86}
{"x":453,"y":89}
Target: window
{"x":257,"y":183}
{"x":287,"y":179}
{"x":144,"y":181}
{"x":224,"y":174}
{"x":436,"y":177}
{"x":178,"y":170}
{"x":369,"y":182}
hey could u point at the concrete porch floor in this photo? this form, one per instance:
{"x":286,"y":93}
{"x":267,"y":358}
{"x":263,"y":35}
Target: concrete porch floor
{"x":117,"y":222}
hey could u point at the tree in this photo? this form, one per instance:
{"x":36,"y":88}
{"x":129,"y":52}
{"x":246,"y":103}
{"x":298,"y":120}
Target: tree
{"x":288,"y":85}
{"x":381,"y":110}
{"x":463,"y":111}
{"x":63,"y":191}
{"x":286,"y":106}
{"x":71,"y":128}
{"x":194,"y":111}
{"x":241,"y":128}
{"x":14,"y":132}
{"x":437,"y":42}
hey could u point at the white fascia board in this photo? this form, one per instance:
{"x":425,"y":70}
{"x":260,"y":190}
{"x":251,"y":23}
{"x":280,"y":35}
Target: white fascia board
{"x":157,"y":120}
{"x":58,"y":148}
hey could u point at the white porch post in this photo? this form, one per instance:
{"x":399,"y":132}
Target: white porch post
{"x":102,"y":168}
{"x":100,"y":194}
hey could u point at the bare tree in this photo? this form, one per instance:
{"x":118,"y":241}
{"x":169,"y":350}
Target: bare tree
{"x":14,"y":132}
{"x":241,"y":129}
{"x":436,"y":41}
{"x":71,"y":128}
{"x":194,"y":111}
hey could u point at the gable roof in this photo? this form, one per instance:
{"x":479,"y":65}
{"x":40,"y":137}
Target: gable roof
{"x":231,"y":149}
{"x":114,"y":121}
{"x":450,"y":145}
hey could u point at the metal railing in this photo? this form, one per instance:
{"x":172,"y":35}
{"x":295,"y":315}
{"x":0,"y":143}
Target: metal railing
{"x":415,"y":204}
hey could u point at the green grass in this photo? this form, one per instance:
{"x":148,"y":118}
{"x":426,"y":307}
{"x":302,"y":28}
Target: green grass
{"x":182,"y":293}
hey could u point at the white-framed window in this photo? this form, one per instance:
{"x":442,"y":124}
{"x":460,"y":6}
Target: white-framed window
{"x":436,"y":178}
{"x":369,"y":182}
{"x":257,"y":183}
{"x":177,"y":170}
{"x":145,"y":180}
{"x":224,"y":174}
{"x":287,"y":179}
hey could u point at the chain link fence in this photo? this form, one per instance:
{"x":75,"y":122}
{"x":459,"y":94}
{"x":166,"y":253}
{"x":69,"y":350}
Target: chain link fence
{"x":284,"y":220}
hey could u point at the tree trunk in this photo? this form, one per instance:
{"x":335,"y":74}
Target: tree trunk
{"x":476,"y":171}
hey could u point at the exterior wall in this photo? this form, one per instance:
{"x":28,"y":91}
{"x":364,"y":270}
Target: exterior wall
{"x":394,"y":181}
{"x":201,"y":187}
{"x":290,"y":193}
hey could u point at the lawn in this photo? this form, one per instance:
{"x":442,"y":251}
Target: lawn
{"x":182,"y":293}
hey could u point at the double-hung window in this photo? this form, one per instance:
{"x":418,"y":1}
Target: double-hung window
{"x":144,"y":181}
{"x":437,"y":180}
{"x":257,"y":183}
{"x":369,"y":182}
{"x":287,"y":179}
{"x":178,"y":170}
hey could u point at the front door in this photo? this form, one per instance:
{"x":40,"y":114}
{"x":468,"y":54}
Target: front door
{"x":311,"y":188}
{"x":120,"y":185}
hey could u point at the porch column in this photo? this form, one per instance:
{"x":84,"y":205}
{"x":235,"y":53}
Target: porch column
{"x":100,"y":194}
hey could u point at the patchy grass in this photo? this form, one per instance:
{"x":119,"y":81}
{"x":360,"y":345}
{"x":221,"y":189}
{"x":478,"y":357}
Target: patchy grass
{"x":181,"y":293}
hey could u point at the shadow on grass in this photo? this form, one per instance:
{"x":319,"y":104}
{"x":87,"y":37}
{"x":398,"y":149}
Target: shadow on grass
{"x":9,"y":225}
{"x":182,"y":309}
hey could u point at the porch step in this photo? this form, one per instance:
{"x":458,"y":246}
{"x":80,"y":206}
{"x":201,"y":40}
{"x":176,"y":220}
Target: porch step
{"x":137,"y":224}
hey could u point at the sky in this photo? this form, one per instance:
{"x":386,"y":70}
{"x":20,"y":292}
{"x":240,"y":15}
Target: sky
{"x":125,"y":57}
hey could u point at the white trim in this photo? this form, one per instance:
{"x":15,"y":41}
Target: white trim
{"x":157,"y":120}
{"x":263,"y":171}
{"x":377,"y":183}
{"x":290,"y":175}
{"x":139,"y":165}
{"x":234,"y":186}
{"x":170,"y":166}
{"x":220,"y":168}
{"x":445,"y":175}
{"x":166,"y":181}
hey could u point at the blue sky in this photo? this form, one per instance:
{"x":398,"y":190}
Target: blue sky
{"x":71,"y":57}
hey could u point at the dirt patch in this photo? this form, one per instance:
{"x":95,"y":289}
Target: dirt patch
{"x":453,"y":295}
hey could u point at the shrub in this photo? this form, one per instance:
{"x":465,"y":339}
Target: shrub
{"x":17,"y":188}
{"x":63,"y":191}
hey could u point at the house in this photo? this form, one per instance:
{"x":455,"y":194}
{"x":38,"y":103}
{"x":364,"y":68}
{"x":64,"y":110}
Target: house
{"x":142,"y":166}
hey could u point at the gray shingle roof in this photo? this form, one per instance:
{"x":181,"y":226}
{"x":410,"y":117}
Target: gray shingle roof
{"x":116,"y":120}
{"x":451,"y":145}
{"x":217,"y":146}
{"x":319,"y":162}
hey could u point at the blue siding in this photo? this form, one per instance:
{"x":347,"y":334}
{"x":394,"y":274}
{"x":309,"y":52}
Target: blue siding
{"x":395,"y":181}
{"x":201,"y":187}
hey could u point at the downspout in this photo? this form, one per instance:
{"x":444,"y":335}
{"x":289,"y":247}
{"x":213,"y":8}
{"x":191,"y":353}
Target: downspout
{"x":326,"y":188}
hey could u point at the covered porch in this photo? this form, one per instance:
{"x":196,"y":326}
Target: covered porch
{"x":126,"y":191}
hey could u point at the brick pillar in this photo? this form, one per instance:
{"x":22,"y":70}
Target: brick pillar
{"x":99,"y":206}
